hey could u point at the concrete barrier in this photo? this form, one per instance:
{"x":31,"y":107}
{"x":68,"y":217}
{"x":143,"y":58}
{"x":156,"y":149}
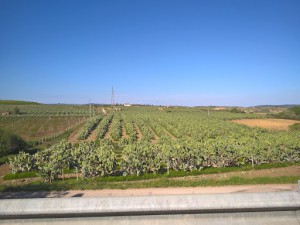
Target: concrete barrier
{"x":148,"y":205}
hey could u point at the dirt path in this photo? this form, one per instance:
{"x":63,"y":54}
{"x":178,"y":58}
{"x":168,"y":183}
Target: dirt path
{"x":73,"y":136}
{"x":108,"y":133}
{"x":138,"y":132}
{"x":93,"y":135}
{"x":152,"y":191}
{"x":154,"y":134}
{"x":124,"y":132}
{"x":4,"y":169}
{"x":168,"y":133}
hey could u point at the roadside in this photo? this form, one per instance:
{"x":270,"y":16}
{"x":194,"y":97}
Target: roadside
{"x":152,"y":191}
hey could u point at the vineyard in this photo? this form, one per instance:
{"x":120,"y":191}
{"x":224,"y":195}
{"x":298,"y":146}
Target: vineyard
{"x":39,"y":123}
{"x":141,"y":140}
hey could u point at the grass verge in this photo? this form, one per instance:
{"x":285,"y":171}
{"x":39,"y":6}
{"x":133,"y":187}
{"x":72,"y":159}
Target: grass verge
{"x":94,"y":184}
{"x":17,"y":176}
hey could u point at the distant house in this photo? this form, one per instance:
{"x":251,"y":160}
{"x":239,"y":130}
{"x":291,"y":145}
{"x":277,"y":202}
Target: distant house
{"x":127,"y":104}
{"x":219,"y":108}
{"x":5,"y":113}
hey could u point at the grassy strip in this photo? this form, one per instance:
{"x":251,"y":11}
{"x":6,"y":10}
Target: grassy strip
{"x":16,"y":176}
{"x":120,"y":178}
{"x":94,"y":184}
{"x":181,"y":173}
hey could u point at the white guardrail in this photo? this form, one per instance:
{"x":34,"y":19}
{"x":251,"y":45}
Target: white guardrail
{"x":149,"y":205}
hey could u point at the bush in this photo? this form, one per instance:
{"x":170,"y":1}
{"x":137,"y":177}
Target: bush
{"x":292,"y":113}
{"x":295,"y":126}
{"x":235,"y":110}
{"x":10,"y":143}
{"x":296,"y":110}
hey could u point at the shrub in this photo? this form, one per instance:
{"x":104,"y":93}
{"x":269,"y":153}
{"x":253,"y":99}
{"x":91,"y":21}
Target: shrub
{"x":236,"y":110}
{"x":10,"y":143}
{"x":295,"y":126}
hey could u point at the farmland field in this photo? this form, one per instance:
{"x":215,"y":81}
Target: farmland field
{"x":273,"y":124}
{"x":141,"y":140}
{"x":37,"y":128}
{"x":38,"y":122}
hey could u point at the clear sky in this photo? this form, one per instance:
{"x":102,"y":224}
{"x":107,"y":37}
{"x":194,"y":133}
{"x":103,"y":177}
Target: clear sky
{"x":170,"y":52}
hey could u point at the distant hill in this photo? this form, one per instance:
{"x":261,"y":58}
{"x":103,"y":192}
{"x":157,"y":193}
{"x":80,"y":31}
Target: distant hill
{"x":17,"y":102}
{"x":275,"y":106}
{"x":290,"y":113}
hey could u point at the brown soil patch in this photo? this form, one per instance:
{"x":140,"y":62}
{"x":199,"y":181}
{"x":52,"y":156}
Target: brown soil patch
{"x":154,"y":134}
{"x":108,"y":133}
{"x":273,"y":124}
{"x":168,"y":133}
{"x":138,"y":132}
{"x":4,"y":169}
{"x":124,"y":132}
{"x":73,"y":136}
{"x":151,"y":191}
{"x":92,"y":136}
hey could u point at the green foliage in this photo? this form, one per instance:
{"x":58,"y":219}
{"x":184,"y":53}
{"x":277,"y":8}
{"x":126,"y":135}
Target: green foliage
{"x":17,"y":110}
{"x":296,"y":110}
{"x":89,"y":126}
{"x":51,"y":162}
{"x":10,"y":143}
{"x":236,"y":110}
{"x":103,"y":126}
{"x":290,"y":113}
{"x":116,"y":130}
{"x":140,"y":158}
{"x":23,"y":162}
{"x":295,"y":127}
{"x":184,"y":141}
{"x":100,"y":162}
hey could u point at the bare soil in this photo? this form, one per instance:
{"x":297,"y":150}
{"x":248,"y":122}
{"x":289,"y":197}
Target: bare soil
{"x":139,"y":133}
{"x":273,"y":124}
{"x":4,"y":169}
{"x":168,"y":133}
{"x":124,"y":132}
{"x":154,"y":134}
{"x":73,"y":136}
{"x":151,"y":191}
{"x":93,"y":135}
{"x":108,"y":133}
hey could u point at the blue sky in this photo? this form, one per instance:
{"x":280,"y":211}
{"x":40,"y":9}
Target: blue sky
{"x":218,"y":52}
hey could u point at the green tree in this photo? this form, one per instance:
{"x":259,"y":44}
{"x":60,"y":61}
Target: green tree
{"x":10,"y":143}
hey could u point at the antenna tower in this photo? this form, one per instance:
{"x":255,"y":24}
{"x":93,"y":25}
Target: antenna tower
{"x":90,"y":108}
{"x":113,"y":98}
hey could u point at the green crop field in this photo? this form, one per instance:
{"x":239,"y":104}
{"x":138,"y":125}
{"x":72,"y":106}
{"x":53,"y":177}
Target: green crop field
{"x":143,"y":140}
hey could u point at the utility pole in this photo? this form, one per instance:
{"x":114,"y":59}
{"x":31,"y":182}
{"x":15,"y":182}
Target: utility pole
{"x":113,"y":98}
{"x":90,"y":108}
